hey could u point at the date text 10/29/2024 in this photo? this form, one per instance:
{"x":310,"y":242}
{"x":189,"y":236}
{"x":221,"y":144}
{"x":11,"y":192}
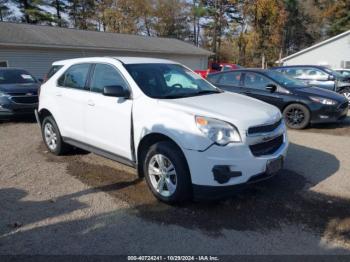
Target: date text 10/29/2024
{"x":173,"y":258}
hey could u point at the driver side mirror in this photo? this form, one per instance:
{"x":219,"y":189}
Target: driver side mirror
{"x":116,"y":91}
{"x":271,"y":87}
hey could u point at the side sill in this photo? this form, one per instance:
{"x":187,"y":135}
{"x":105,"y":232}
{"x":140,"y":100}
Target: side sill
{"x":100,"y":152}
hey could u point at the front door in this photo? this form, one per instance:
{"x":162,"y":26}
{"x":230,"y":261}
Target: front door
{"x":108,"y":119}
{"x":255,"y":86}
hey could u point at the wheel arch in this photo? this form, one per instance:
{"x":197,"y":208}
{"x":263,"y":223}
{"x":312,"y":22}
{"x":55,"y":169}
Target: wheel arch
{"x":146,"y":142}
{"x":43,"y":113}
{"x":343,"y":88}
{"x":297,"y":103}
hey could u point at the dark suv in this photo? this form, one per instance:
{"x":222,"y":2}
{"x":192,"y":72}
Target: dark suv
{"x":319,"y":76}
{"x":18,"y":93}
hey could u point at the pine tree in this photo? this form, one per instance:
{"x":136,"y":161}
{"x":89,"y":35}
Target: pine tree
{"x":32,"y":11}
{"x":4,"y":10}
{"x":60,"y":7}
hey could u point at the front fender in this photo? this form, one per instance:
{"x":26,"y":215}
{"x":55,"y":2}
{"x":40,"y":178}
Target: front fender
{"x":178,"y":126}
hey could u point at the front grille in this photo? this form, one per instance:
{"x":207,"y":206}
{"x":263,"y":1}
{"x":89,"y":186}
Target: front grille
{"x":268,"y":147}
{"x":263,"y":129}
{"x":25,"y":99}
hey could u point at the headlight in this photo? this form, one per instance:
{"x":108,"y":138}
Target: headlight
{"x":3,"y":94}
{"x":324,"y":101}
{"x":218,"y":131}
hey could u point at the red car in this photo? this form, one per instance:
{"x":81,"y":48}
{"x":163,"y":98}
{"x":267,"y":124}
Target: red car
{"x":217,"y":67}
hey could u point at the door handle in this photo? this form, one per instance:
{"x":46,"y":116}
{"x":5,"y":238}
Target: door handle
{"x":58,"y":94}
{"x":91,"y":103}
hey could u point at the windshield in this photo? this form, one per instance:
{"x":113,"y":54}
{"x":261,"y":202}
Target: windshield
{"x":284,"y":80}
{"x":169,"y":81}
{"x":16,"y":76}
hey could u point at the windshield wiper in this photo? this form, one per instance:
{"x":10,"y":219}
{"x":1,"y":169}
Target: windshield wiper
{"x":209,"y":92}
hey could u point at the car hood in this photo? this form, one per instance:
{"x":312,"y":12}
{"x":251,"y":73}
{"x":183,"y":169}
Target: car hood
{"x":320,"y":92}
{"x":240,"y":110}
{"x":19,"y":88}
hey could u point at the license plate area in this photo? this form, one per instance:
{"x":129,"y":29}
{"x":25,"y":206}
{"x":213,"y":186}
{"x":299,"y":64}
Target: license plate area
{"x":274,"y":165}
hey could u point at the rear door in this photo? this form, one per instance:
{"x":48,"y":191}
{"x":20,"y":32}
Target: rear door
{"x":229,"y":81}
{"x":255,"y":86}
{"x":70,"y":97}
{"x":108,"y":119}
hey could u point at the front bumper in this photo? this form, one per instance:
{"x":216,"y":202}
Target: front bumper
{"x":10,"y":109}
{"x":329,"y":114}
{"x":244,"y":167}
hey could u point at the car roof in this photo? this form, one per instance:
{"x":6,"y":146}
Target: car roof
{"x":289,"y":66}
{"x":123,"y":59}
{"x":257,"y":70}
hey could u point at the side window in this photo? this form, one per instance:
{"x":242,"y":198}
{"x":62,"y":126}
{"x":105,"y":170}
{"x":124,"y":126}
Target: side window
{"x":214,"y":78}
{"x":231,"y":78}
{"x":75,"y":76}
{"x":104,"y":76}
{"x":256,"y":81}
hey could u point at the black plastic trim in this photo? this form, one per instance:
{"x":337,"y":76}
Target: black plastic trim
{"x":100,"y":152}
{"x":222,"y":174}
{"x":201,"y":192}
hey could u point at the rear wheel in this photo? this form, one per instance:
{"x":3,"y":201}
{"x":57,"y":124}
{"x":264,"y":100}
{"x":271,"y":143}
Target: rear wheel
{"x":52,"y":137}
{"x":296,"y":116}
{"x":166,"y":172}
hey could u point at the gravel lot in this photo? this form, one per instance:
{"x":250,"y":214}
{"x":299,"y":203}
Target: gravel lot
{"x":84,"y":204}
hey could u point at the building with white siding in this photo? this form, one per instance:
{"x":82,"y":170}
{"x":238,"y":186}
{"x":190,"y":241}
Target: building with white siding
{"x":333,"y":52}
{"x":35,"y":47}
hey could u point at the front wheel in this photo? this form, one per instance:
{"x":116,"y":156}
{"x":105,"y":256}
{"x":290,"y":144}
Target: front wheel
{"x":296,"y":116}
{"x":166,"y":172}
{"x":346,"y":92}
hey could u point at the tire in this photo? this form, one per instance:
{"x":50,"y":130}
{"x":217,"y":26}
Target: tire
{"x":175,"y":185}
{"x":296,"y":116}
{"x":51,"y":133}
{"x":346,"y":92}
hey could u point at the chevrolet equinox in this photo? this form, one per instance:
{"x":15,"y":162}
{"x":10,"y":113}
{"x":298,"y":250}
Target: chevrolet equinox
{"x":185,"y":136}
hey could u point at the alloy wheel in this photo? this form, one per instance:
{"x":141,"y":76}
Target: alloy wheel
{"x":162,"y":175}
{"x":295,"y":116}
{"x":50,"y":136}
{"x":347,"y":95}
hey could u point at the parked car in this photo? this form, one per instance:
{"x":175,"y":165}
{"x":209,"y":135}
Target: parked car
{"x":344,"y":72}
{"x":217,"y":67}
{"x":180,"y":132}
{"x":299,"y":103}
{"x":319,"y":76}
{"x":18,"y":93}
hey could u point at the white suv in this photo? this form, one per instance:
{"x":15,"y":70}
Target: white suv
{"x":187,"y":137}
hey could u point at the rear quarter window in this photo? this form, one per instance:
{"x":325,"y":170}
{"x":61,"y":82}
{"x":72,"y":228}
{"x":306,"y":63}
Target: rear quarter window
{"x":53,"y":71}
